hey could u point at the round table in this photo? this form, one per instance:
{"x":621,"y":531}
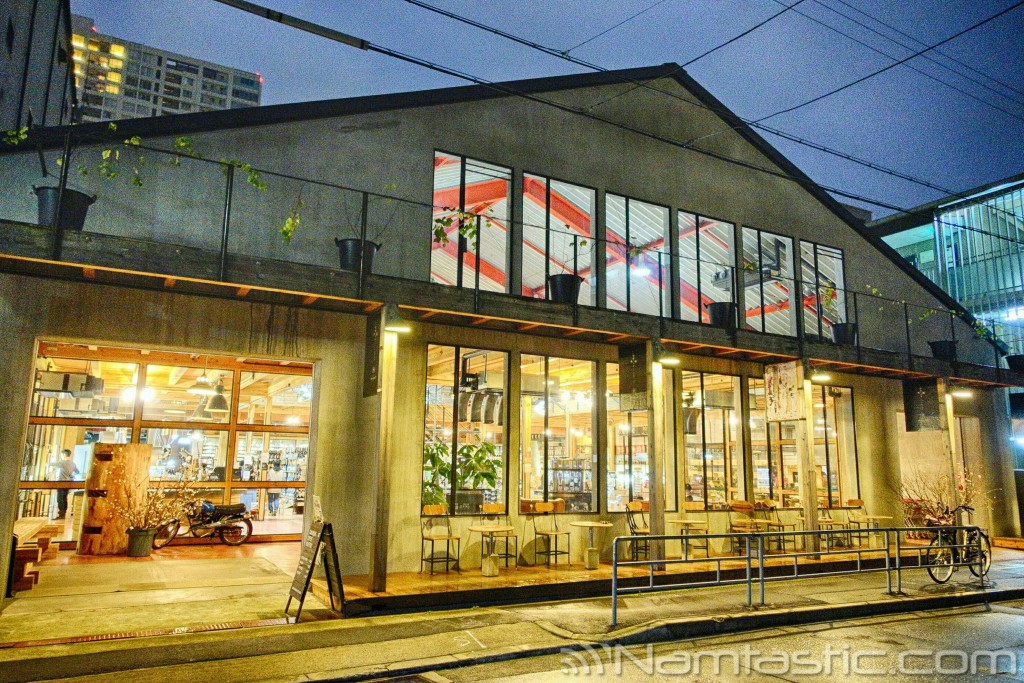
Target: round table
{"x":489,"y":562}
{"x":592,"y":556}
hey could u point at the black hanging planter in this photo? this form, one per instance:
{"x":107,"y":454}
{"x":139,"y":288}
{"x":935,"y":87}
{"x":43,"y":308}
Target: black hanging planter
{"x":943,"y":350}
{"x":845,"y":333}
{"x":76,"y":205}
{"x":1016,"y":362}
{"x":352,"y":251}
{"x":564,"y":288}
{"x":722,"y":314}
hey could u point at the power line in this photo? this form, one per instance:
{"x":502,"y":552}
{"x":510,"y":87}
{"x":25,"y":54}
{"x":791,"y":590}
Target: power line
{"x":338,"y":36}
{"x":928,"y":58}
{"x":922,"y":72}
{"x":919,"y":42}
{"x":612,"y":28}
{"x":878,"y":72}
{"x":741,"y":35}
{"x":641,"y":84}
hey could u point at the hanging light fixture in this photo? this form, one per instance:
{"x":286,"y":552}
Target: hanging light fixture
{"x":203,"y":386}
{"x":219,"y":402}
{"x":201,"y":413}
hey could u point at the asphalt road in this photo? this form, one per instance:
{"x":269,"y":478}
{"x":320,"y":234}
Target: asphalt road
{"x":982,"y":643}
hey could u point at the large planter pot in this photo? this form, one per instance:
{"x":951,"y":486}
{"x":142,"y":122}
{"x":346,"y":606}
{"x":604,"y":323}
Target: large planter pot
{"x":845,"y":333}
{"x":943,"y":350}
{"x":722,"y":314}
{"x":75,"y":206}
{"x":140,"y":542}
{"x":564,"y":288}
{"x":1016,"y":362}
{"x":352,"y":251}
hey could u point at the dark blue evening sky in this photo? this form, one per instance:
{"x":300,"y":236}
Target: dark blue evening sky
{"x":902,"y":119}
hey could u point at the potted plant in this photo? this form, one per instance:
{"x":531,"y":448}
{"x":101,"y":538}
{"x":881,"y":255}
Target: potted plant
{"x":845,"y":333}
{"x":943,"y":349}
{"x":437,"y":470}
{"x":476,"y":467}
{"x":564,"y":288}
{"x":722,"y":314}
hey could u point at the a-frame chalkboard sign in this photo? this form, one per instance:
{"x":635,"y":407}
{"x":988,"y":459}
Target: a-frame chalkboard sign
{"x":319,"y":540}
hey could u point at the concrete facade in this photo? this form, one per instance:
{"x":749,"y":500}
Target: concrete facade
{"x":35,"y":63}
{"x":384,"y":143}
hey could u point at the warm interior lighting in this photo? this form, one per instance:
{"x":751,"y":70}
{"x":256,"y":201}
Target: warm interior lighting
{"x":961,"y":392}
{"x":219,"y":402}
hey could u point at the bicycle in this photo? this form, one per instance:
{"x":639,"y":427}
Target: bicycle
{"x":952,"y":548}
{"x":230,"y":523}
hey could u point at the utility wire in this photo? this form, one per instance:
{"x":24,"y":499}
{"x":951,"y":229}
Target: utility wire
{"x":646,"y":85}
{"x":928,"y":58}
{"x":612,"y":28}
{"x":338,"y":36}
{"x":951,"y":86}
{"x":878,"y":72}
{"x":940,"y":52}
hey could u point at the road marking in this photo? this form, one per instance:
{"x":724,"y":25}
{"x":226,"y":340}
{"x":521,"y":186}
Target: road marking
{"x":482,"y":646}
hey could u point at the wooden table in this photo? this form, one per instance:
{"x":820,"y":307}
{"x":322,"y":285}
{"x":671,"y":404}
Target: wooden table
{"x":489,"y":562}
{"x":591,"y":558}
{"x":684,"y":531}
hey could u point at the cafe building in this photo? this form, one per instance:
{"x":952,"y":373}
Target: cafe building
{"x":592,"y":293}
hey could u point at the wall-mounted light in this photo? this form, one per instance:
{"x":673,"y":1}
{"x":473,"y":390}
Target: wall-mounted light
{"x":961,"y":392}
{"x":663,"y":355}
{"x":816,"y":374}
{"x":394,"y":322}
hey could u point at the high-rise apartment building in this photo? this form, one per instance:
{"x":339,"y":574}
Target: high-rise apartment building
{"x":120,"y":79}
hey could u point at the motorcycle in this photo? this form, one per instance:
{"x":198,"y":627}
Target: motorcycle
{"x":231,"y":523}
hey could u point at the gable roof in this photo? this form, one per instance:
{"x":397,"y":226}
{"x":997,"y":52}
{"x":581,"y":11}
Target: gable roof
{"x":183,"y":124}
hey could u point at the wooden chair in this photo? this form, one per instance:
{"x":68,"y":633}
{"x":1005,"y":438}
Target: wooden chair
{"x":638,"y":526}
{"x":437,"y":528}
{"x":770,"y":511}
{"x":827,"y":522}
{"x":857,"y":520}
{"x":494,"y":513}
{"x":695,"y":530}
{"x":548,"y":531}
{"x":741,"y":521}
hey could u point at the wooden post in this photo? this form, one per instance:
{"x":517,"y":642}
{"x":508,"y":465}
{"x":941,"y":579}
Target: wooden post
{"x":379,"y":539}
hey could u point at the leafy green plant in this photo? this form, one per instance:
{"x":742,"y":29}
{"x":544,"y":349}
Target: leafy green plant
{"x":437,"y":471}
{"x":477,"y":465}
{"x":17,"y":136}
{"x":465,"y":221}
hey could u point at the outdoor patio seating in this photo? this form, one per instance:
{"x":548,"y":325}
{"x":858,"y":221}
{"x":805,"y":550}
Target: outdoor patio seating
{"x":437,"y":528}
{"x":496,"y":514}
{"x":741,"y":521}
{"x":549,"y":531}
{"x":638,"y":526}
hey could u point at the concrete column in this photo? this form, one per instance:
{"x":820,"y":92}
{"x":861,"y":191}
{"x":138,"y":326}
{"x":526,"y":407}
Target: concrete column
{"x":385,"y":453}
{"x":656,"y":451}
{"x":950,"y":443}
{"x":805,"y":455}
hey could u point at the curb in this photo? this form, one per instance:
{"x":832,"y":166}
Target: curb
{"x":697,"y":627}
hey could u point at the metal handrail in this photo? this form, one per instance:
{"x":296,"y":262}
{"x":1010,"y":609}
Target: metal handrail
{"x":816,"y":544}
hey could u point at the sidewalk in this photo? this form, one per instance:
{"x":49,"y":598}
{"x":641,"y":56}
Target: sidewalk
{"x":384,"y":646}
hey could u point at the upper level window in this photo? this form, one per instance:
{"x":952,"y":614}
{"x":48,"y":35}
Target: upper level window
{"x":476,"y":194}
{"x":706,"y":257}
{"x":637,"y":262}
{"x":822,"y":288}
{"x":557,"y":235}
{"x":769,"y":285}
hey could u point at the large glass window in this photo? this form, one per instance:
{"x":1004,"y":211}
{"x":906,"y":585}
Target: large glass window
{"x":823,"y":289}
{"x":712,"y":444}
{"x":468,"y":190}
{"x":557,"y":460}
{"x":775,"y":460}
{"x":769,"y":286}
{"x":557,"y":235}
{"x":464,"y":430}
{"x":636,"y":256}
{"x":189,"y":413}
{"x":627,"y":442}
{"x":705,"y":265}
